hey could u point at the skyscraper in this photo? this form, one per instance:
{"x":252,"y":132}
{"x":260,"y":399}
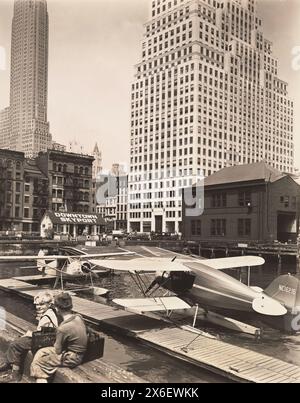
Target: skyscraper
{"x":206,"y":95}
{"x":29,"y":128}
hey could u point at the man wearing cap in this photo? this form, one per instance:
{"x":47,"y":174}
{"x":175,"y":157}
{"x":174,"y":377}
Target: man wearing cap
{"x":70,"y":345}
{"x":18,"y":349}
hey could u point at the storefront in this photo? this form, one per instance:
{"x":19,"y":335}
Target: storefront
{"x":72,"y":225}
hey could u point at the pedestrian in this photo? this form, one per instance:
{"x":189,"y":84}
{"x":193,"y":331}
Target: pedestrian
{"x":17,"y":351}
{"x":70,"y":345}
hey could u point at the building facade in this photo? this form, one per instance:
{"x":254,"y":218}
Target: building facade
{"x":122,"y":203}
{"x":35,"y":197}
{"x":206,"y":95}
{"x":70,"y":181}
{"x":112,"y":204}
{"x":246,"y":203}
{"x":23,"y":193}
{"x":29,"y":127}
{"x":11,"y":190}
{"x":4,"y":128}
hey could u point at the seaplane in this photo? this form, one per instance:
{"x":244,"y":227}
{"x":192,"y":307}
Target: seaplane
{"x":68,"y":267}
{"x":192,"y":283}
{"x":184,"y":283}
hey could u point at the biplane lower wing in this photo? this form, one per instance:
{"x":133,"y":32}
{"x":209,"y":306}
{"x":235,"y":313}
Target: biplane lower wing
{"x":142,"y":305}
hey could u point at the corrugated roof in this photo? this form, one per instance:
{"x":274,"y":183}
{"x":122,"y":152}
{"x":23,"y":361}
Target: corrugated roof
{"x":244,"y":173}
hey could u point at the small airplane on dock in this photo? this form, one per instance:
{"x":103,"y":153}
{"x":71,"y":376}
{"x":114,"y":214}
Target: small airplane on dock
{"x":186,"y":282}
{"x":194,"y":282}
{"x":68,"y":267}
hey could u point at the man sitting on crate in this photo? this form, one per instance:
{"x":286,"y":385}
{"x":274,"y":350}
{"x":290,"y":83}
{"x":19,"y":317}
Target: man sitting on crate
{"x":18,"y":349}
{"x":70,"y":346}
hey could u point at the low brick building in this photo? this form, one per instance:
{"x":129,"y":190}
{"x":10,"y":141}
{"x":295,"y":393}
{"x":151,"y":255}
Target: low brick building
{"x":70,"y":180}
{"x":246,"y":202}
{"x":23,"y":193}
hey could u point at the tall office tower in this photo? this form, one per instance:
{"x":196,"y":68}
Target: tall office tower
{"x":4,"y":127}
{"x":29,"y":130}
{"x":206,"y":95}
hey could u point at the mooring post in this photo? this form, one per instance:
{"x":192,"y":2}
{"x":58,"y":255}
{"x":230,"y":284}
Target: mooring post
{"x":199,"y":249}
{"x":212,"y":254}
{"x":279,"y":263}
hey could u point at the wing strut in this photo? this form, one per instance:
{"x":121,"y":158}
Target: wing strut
{"x":138,"y":282}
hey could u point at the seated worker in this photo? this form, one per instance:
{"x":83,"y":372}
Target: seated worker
{"x":70,"y":345}
{"x":18,"y":349}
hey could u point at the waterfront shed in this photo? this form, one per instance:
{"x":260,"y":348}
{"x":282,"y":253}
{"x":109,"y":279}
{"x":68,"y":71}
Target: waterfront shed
{"x":246,"y":202}
{"x":71,"y":224}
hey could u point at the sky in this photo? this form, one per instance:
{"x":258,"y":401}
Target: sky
{"x":93,"y":47}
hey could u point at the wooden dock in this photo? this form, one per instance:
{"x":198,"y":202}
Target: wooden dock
{"x":232,"y":362}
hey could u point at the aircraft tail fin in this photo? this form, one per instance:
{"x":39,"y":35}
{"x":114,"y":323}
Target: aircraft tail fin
{"x":286,"y":290}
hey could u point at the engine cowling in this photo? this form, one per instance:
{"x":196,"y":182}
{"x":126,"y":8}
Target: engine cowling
{"x":177,"y":282}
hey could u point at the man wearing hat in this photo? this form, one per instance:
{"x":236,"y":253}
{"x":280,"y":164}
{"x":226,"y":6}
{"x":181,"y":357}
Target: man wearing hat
{"x":18,"y":349}
{"x":70,"y":345}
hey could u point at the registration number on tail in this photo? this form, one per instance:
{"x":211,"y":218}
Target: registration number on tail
{"x":287,"y":290}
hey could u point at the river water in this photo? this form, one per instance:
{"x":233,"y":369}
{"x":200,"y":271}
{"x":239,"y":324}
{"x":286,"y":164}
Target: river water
{"x":154,"y":366}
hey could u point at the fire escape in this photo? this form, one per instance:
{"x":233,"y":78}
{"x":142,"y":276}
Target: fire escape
{"x":40,"y":199}
{"x":70,"y":191}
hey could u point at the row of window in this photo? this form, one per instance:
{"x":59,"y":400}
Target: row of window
{"x":77,"y":170}
{"x":218,"y":227}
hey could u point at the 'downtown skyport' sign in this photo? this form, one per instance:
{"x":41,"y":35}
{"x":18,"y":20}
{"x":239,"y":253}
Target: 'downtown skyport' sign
{"x":75,"y":218}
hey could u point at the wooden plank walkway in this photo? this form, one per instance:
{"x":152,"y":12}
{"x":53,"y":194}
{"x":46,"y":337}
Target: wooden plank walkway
{"x":235,"y":363}
{"x":238,"y":363}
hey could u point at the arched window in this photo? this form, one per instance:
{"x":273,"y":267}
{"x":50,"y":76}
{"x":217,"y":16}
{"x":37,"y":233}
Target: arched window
{"x":81,"y":171}
{"x":59,"y":168}
{"x":65,"y":168}
{"x":54,"y":167}
{"x":18,"y":165}
{"x":86,"y":171}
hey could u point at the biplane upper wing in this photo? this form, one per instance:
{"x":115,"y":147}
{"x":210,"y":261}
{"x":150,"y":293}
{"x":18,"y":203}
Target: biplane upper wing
{"x":230,"y":262}
{"x":25,"y":258}
{"x":179,"y":265}
{"x":143,"y":305}
{"x":144,"y":265}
